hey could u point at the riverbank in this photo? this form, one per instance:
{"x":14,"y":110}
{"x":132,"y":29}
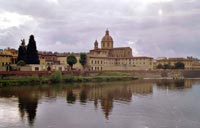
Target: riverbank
{"x":42,"y":77}
{"x":58,"y":77}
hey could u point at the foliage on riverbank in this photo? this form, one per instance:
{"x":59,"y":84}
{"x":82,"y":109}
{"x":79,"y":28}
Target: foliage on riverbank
{"x":57,"y":77}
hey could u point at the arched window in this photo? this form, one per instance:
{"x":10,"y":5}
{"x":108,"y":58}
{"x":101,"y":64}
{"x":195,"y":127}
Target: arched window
{"x":103,"y":44}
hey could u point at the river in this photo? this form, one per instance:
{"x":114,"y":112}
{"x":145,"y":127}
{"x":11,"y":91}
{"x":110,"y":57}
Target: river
{"x":130,"y":104}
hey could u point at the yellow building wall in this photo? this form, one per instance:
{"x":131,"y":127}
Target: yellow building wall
{"x":43,"y":62}
{"x":4,"y":60}
{"x":62,"y":59}
{"x":113,"y":64}
{"x":78,"y":65}
{"x":12,"y":53}
{"x":187,"y":63}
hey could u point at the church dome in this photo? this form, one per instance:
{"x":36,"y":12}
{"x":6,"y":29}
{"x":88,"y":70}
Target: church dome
{"x":107,"y":37}
{"x":107,"y":41}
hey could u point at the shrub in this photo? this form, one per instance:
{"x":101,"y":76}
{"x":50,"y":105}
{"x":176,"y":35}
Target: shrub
{"x":21,"y":63}
{"x":56,"y":77}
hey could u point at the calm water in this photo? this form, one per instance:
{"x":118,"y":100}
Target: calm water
{"x":133,"y":104}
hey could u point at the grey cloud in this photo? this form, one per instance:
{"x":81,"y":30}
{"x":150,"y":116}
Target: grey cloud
{"x":75,"y":25}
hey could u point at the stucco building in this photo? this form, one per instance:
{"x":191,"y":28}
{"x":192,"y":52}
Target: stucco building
{"x":5,"y":59}
{"x":13,"y":53}
{"x":172,"y":61}
{"x":120,"y":58}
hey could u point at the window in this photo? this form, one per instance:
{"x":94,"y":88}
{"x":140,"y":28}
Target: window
{"x":36,"y":68}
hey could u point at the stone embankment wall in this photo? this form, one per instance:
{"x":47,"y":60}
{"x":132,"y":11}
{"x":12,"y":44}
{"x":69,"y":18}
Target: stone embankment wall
{"x":168,"y":74}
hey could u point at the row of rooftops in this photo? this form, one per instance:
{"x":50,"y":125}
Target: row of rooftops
{"x":174,"y":59}
{"x":49,"y":53}
{"x":138,"y":57}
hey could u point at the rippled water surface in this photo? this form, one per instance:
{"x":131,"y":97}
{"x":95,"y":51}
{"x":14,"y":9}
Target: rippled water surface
{"x":133,"y":104}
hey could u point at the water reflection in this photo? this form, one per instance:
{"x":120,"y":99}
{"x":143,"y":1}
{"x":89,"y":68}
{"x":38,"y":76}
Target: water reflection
{"x":28,"y":106}
{"x":83,"y":95}
{"x":174,"y":84}
{"x":27,"y":100}
{"x":71,"y":97}
{"x":102,"y":95}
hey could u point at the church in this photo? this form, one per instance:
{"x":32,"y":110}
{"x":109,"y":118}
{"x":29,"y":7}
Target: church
{"x":108,"y":58}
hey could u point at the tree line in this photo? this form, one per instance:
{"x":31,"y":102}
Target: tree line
{"x":71,"y":60}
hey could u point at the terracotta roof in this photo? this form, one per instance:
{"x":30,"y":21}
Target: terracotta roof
{"x":195,"y":64}
{"x":174,"y":59}
{"x":142,"y":57}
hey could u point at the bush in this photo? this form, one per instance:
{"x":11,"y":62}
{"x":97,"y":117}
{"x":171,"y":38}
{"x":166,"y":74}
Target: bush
{"x":56,"y":77}
{"x":21,"y":63}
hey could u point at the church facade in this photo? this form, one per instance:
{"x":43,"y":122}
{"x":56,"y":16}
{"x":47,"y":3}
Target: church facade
{"x":108,"y":58}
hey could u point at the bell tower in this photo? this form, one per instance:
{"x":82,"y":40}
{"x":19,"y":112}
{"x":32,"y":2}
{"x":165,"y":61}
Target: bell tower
{"x":96,"y":45}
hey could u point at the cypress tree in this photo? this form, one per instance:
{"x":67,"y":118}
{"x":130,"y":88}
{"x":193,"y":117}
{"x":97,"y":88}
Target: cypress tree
{"x":32,"y":53}
{"x":83,"y":59}
{"x":22,"y":52}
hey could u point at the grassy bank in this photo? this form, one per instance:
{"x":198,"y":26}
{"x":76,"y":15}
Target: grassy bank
{"x":57,"y":77}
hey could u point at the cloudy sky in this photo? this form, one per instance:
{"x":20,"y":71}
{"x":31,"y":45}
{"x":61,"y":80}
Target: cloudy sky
{"x":154,"y":28}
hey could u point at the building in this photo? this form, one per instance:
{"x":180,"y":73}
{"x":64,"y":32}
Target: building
{"x":5,"y":59}
{"x":48,"y":58}
{"x":13,"y":53}
{"x":173,"y":61}
{"x":115,"y":59}
{"x":62,"y":58}
{"x":195,"y":65}
{"x":57,"y":61}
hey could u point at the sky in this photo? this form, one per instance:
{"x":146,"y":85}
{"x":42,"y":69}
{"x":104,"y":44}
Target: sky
{"x":156,"y":28}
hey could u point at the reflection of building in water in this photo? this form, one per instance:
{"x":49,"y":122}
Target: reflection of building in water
{"x":188,"y":84}
{"x":28,"y":105}
{"x":142,"y":88}
{"x":105,"y":95}
{"x":107,"y":105}
{"x":174,"y":84}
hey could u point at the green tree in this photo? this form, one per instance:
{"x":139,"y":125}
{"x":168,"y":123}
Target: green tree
{"x":167,"y":66}
{"x":21,"y":63}
{"x":71,"y":60}
{"x":32,"y":53}
{"x":179,"y":65}
{"x":83,"y":59}
{"x":159,"y":66}
{"x":71,"y":97}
